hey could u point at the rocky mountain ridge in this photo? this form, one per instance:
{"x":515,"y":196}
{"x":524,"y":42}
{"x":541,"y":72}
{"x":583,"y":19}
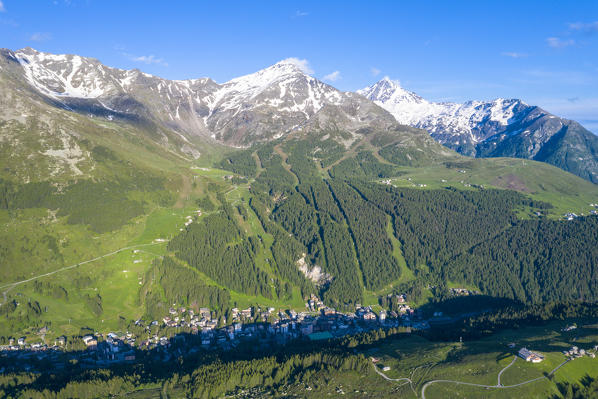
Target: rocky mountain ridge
{"x":282,"y":99}
{"x":497,"y":128}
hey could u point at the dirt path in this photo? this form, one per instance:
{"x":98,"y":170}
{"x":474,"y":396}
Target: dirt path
{"x":405,"y":380}
{"x":258,"y":164}
{"x":505,"y":369}
{"x":427,"y":384}
{"x":12,"y":285}
{"x":351,"y":152}
{"x":285,"y":163}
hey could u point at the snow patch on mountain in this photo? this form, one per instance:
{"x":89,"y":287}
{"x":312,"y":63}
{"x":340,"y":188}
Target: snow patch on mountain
{"x":444,"y":118}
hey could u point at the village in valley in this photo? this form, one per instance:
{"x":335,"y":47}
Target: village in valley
{"x":193,"y":330}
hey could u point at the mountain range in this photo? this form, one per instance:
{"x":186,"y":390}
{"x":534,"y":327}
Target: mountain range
{"x":184,"y":115}
{"x":498,"y":128}
{"x":122,"y":194}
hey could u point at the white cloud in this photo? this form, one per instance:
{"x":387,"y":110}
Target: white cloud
{"x":513,"y":54}
{"x":333,"y":76}
{"x":2,"y":9}
{"x":302,"y":64}
{"x":40,"y":37}
{"x":299,"y":14}
{"x":146,"y":59}
{"x":375,"y":71}
{"x":556,"y":42}
{"x":591,"y":27}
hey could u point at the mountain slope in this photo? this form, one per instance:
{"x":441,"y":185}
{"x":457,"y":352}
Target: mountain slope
{"x":498,"y":128}
{"x":253,"y":108}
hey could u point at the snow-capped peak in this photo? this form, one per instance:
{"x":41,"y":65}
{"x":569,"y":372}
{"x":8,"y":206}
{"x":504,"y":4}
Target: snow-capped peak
{"x":388,"y":91}
{"x":473,"y":120}
{"x":301,"y":65}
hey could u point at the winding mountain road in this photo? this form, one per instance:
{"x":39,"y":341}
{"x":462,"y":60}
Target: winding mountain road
{"x":405,"y":380}
{"x":505,"y":369}
{"x":498,"y":386}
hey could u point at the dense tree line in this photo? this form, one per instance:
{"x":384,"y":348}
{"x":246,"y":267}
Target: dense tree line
{"x":241,"y":162}
{"x":103,"y":205}
{"x":324,"y":201}
{"x":216,"y":247}
{"x":285,"y":249}
{"x":435,"y":225}
{"x":179,"y":285}
{"x":22,"y":196}
{"x":535,"y":261}
{"x":299,"y":219}
{"x":512,"y":316}
{"x":363,"y":165}
{"x":205,"y":204}
{"x":274,"y":179}
{"x":471,"y":236}
{"x":346,"y":287}
{"x":368,"y":226}
{"x":587,"y":390}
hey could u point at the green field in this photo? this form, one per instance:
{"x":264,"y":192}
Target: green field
{"x":539,"y":180}
{"x":476,"y":362}
{"x":37,"y":241}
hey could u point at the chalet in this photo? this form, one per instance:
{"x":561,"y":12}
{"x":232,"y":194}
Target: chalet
{"x":369,"y":316}
{"x":247,"y":313}
{"x":328,"y":311}
{"x":530,"y":356}
{"x":21,"y":341}
{"x":205,"y":313}
{"x":382,"y":315}
{"x":61,"y":340}
{"x":569,"y":328}
{"x":90,"y":341}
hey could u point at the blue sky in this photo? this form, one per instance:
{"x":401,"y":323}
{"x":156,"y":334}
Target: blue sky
{"x":544,"y":52}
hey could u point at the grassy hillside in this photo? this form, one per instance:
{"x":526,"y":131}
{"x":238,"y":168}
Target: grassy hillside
{"x":290,"y":201}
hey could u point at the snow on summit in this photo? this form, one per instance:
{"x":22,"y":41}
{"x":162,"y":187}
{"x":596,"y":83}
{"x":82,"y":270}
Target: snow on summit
{"x":442,"y":119}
